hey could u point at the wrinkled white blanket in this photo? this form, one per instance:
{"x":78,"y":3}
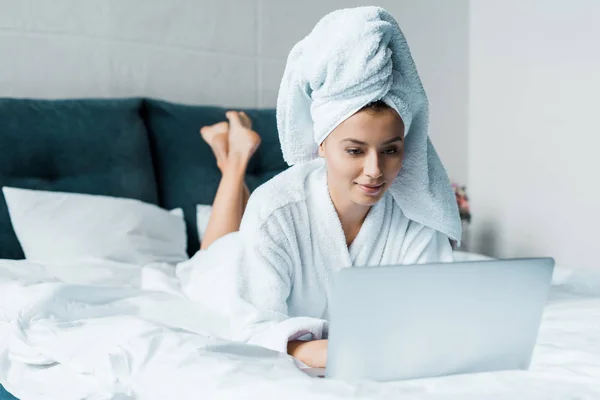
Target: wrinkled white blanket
{"x":104,"y":330}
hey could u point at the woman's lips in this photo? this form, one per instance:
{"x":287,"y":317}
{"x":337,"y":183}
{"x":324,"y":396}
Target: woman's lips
{"x":371,"y":190}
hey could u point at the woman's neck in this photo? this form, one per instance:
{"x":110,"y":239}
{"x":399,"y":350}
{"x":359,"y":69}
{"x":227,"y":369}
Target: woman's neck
{"x":350,"y":214}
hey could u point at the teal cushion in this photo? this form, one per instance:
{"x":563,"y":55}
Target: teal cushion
{"x":185,"y":167}
{"x":4,"y":395}
{"x":95,"y":146}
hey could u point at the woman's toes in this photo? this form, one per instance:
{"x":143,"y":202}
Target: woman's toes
{"x":234,"y":118}
{"x":221,"y":127}
{"x":210,"y":132}
{"x":246,"y":121}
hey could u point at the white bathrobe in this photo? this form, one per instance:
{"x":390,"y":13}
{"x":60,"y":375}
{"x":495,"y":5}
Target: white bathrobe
{"x":274,"y":277}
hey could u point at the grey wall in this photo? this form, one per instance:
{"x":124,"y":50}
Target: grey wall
{"x":512,"y":85}
{"x":534,"y":129}
{"x":226,"y":52}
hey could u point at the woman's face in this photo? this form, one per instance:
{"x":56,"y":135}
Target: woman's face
{"x":364,"y":155}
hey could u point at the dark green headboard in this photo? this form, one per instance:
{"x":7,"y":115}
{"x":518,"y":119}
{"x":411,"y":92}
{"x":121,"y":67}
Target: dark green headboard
{"x":144,"y":149}
{"x":85,"y":146}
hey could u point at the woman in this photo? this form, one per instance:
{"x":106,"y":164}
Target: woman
{"x":366,"y":187}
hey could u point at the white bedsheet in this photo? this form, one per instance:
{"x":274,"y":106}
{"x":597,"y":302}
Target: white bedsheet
{"x":104,"y":330}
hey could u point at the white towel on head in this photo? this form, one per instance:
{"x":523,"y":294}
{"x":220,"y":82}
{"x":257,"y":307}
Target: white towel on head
{"x":351,"y":58}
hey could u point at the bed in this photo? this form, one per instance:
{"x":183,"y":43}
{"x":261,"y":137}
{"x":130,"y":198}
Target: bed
{"x":116,"y":326}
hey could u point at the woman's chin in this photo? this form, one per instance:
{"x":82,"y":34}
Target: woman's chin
{"x":366,"y":200}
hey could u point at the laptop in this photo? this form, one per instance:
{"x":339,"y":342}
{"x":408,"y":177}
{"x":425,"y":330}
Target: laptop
{"x":429,"y":320}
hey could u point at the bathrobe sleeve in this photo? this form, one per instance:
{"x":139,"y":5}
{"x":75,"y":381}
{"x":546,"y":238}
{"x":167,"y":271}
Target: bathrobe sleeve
{"x":260,"y":311}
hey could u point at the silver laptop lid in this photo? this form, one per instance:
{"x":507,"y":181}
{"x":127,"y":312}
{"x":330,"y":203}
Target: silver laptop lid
{"x":404,"y":322}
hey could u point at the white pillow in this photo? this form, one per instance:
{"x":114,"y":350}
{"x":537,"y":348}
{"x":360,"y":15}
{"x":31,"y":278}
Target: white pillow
{"x":57,"y":226}
{"x":202,"y":216}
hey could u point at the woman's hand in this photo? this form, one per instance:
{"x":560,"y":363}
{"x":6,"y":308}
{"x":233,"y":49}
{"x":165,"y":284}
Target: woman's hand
{"x":312,"y":353}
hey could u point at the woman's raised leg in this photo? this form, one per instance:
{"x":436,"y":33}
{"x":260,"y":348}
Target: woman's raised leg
{"x":233,"y":143}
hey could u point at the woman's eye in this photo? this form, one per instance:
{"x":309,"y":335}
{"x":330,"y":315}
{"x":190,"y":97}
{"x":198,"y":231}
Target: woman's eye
{"x":391,"y":151}
{"x":353,"y":152}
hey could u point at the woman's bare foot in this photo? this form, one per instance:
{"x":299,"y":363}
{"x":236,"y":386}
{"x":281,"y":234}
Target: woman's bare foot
{"x":217,"y":138}
{"x":243,"y":141}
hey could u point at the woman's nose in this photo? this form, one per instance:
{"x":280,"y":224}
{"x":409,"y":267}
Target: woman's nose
{"x":372,"y":167}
